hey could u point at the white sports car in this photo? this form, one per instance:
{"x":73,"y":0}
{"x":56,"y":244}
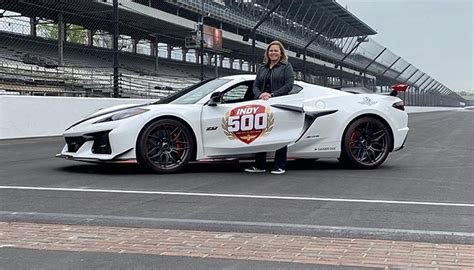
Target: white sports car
{"x":220,"y":119}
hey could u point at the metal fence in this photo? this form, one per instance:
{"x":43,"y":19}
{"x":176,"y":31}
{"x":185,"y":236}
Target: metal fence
{"x":34,"y":60}
{"x":72,"y":48}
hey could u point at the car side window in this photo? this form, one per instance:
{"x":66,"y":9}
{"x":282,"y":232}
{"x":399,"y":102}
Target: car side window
{"x":238,"y":93}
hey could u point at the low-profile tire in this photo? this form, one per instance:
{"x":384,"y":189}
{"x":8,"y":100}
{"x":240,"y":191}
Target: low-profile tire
{"x":165,"y":146}
{"x":366,"y":144}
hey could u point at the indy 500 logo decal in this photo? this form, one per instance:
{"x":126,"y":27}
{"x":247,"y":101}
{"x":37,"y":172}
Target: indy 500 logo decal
{"x":247,"y":123}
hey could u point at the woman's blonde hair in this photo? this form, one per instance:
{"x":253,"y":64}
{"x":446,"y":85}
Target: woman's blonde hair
{"x":284,"y":56}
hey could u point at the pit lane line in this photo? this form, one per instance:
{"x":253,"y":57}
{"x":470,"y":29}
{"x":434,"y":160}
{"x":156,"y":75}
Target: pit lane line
{"x":242,"y":196}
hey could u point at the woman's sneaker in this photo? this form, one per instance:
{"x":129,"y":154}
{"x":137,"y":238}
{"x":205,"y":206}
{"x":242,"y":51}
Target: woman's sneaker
{"x":254,"y":170}
{"x":278,"y":171}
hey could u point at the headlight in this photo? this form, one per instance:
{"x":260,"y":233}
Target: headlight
{"x":122,"y":115}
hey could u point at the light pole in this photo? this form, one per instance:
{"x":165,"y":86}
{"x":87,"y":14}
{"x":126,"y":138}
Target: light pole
{"x":116,"y":49}
{"x":201,"y":43}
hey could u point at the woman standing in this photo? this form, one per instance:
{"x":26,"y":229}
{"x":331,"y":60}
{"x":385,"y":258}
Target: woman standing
{"x":274,"y":78}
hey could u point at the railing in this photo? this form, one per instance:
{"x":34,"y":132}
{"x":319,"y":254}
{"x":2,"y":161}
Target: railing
{"x":29,"y":79}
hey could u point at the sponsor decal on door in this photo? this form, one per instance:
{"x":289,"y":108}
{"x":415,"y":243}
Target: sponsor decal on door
{"x":248,"y":123}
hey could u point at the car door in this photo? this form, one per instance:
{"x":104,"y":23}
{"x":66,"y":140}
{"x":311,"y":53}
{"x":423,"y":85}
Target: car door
{"x":241,"y":125}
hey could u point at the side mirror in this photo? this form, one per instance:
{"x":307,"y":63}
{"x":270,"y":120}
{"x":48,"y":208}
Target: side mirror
{"x":215,"y":99}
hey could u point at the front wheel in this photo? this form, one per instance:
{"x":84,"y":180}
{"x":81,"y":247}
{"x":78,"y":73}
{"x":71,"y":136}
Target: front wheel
{"x":165,"y":146}
{"x":366,"y":144}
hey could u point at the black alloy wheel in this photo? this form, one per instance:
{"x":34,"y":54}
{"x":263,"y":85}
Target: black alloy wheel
{"x":165,"y":146}
{"x":366,"y":143}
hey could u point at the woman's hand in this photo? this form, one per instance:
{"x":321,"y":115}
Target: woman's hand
{"x":265,"y":96}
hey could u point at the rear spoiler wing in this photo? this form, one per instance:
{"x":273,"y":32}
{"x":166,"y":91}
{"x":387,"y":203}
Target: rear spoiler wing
{"x":402,"y":87}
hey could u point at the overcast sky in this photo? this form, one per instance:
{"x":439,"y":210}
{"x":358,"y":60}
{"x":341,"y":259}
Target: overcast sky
{"x":433,"y":35}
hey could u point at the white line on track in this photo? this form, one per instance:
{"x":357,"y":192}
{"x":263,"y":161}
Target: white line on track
{"x":245,"y":196}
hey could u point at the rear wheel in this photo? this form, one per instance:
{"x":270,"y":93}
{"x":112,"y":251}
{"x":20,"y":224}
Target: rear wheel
{"x":165,"y":146}
{"x":366,"y":144}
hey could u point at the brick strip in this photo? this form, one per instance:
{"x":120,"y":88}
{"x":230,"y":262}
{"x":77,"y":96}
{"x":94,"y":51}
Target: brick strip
{"x":229,"y":245}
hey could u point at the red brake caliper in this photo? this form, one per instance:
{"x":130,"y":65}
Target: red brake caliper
{"x":353,"y":139}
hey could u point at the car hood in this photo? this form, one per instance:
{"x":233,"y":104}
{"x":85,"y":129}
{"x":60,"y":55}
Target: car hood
{"x":115,"y":108}
{"x":165,"y":108}
{"x":108,"y":110}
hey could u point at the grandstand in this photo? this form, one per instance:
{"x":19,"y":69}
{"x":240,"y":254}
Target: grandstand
{"x":28,"y":65}
{"x":59,"y":47}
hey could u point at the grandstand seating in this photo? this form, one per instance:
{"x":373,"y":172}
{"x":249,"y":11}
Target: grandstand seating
{"x":236,"y":16}
{"x":86,"y":70}
{"x":29,"y":65}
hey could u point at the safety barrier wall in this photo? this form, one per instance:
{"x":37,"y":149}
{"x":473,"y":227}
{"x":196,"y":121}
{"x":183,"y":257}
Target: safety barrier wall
{"x":30,"y":116}
{"x":418,"y":109}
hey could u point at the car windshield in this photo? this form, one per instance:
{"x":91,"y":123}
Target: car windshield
{"x":194,"y":93}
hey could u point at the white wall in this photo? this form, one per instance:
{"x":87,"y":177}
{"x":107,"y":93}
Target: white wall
{"x":414,"y":109}
{"x":29,"y":116}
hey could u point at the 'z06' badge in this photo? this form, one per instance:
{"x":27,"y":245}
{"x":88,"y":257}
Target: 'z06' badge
{"x":247,"y":123}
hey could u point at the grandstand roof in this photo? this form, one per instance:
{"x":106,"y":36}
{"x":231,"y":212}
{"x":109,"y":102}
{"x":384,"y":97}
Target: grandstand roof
{"x":95,"y":14}
{"x":304,"y":12}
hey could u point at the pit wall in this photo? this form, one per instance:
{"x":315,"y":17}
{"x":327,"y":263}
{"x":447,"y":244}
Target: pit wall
{"x":415,"y":109}
{"x":30,"y":116}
